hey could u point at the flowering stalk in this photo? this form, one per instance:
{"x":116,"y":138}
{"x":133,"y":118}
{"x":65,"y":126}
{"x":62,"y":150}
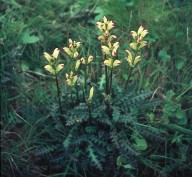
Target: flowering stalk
{"x":86,"y":62}
{"x":72,"y":52}
{"x":58,"y":93}
{"x":109,"y":51}
{"x":89,"y":100}
{"x":135,"y":46}
{"x":54,"y":68}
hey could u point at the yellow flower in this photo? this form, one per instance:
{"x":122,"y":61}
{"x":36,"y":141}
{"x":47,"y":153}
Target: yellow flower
{"x":105,"y":26}
{"x":50,"y":69}
{"x":141,"y":33}
{"x":53,"y":56}
{"x":59,"y":67}
{"x":111,"y":63}
{"x":133,"y":45}
{"x":132,"y":62}
{"x":56,"y":53}
{"x":72,"y":49}
{"x":71,"y":80}
{"x":53,"y":68}
{"x":47,"y":56}
{"x":105,"y":50}
{"x":77,"y":64}
{"x":111,"y":37}
{"x":111,"y":49}
{"x":142,"y":44}
{"x":91,"y":94}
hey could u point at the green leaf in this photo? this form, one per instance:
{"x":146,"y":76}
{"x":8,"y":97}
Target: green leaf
{"x":180,"y":64}
{"x":181,"y":114}
{"x":162,"y":55}
{"x":140,"y":143}
{"x":24,"y":66}
{"x":119,"y":161}
{"x":128,"y":166}
{"x":27,"y":38}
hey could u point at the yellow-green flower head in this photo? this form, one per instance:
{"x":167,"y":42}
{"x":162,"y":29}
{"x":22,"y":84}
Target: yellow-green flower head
{"x":112,"y":63}
{"x":71,"y":80}
{"x":132,"y":61}
{"x":55,"y":54}
{"x":110,"y":50}
{"x":52,"y":70}
{"x":72,"y":49}
{"x":140,"y":34}
{"x":83,"y":61}
{"x":52,"y":67}
{"x":106,"y":26}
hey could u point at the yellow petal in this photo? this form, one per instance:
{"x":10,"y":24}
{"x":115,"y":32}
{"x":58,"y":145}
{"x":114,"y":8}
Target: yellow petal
{"x":116,"y":63}
{"x":91,"y":93}
{"x":137,"y":59}
{"x":142,"y":44}
{"x":114,"y":52}
{"x":109,"y":62}
{"x":78,"y":44}
{"x":100,"y":26}
{"x":56,"y":53}
{"x":110,"y":25}
{"x":77,"y":64}
{"x":74,"y":80}
{"x":70,"y":41}
{"x":47,"y":56}
{"x":59,"y":67}
{"x":105,"y":19}
{"x":143,"y":33}
{"x":134,"y":34}
{"x":68,"y":82}
{"x":82,"y":60}
{"x":140,"y":30}
{"x":67,"y":50}
{"x":75,"y":55}
{"x":105,"y":50}
{"x":129,"y":58}
{"x":133,"y":45}
{"x":50,"y":69}
{"x":106,"y":33}
{"x":67,"y":76}
{"x":101,"y":38}
{"x":90,"y":59}
{"x":111,"y":37}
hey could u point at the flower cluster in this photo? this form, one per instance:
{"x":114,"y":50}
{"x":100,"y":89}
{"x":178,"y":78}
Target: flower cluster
{"x":136,"y":46}
{"x":72,"y":50}
{"x":138,"y":37}
{"x":83,"y":61}
{"x":105,"y":28}
{"x":71,"y":79}
{"x":53,"y":67}
{"x":109,"y":49}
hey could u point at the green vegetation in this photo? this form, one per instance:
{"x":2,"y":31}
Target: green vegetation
{"x":100,"y":109}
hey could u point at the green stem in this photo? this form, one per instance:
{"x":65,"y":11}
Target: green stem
{"x":89,"y":109}
{"x":130,"y":71}
{"x":106,"y":80}
{"x":58,"y":93}
{"x":129,"y":76}
{"x":111,"y":78}
{"x":86,"y":74}
{"x":77,"y":91}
